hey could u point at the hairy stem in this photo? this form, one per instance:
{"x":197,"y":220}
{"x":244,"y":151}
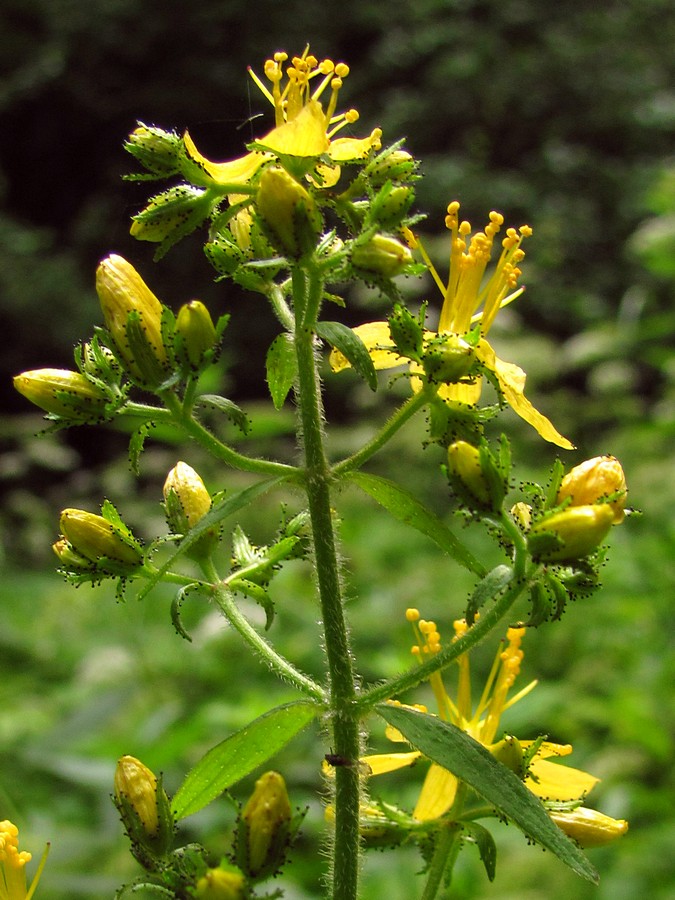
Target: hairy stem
{"x":344,"y":717}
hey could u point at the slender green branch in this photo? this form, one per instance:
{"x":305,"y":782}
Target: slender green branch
{"x":257,"y":642}
{"x":308,"y":290}
{"x":479,"y":630}
{"x":447,"y":848}
{"x":220,"y":451}
{"x":385,"y":434}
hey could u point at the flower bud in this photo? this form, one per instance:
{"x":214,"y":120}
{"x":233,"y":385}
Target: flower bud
{"x":588,"y":827}
{"x":195,"y":332}
{"x":224,"y":254}
{"x":171,"y":215}
{"x":186,"y":498}
{"x":465,"y":467}
{"x":156,"y":150}
{"x":133,"y":316}
{"x":390,"y":205}
{"x":447,"y":358}
{"x":398,"y":165}
{"x":593,"y":480}
{"x":69,"y":558}
{"x":571,"y":534}
{"x":221,"y":884}
{"x":144,"y":807}
{"x":406,"y":332}
{"x":264,"y":829}
{"x":97,"y":539}
{"x":288,"y":212}
{"x":63,"y":393}
{"x":381,"y":256}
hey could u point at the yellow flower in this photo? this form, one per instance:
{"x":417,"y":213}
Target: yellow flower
{"x":13,"y":865}
{"x":547,"y":780}
{"x":469,"y":298}
{"x":303,"y":127}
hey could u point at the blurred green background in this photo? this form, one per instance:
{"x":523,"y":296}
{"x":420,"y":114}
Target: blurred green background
{"x":562,"y":116}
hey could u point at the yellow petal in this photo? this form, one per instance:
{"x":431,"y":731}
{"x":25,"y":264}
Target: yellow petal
{"x":511,"y":380}
{"x":437,"y":794}
{"x":588,"y":827}
{"x":305,"y":135}
{"x":468,"y":394}
{"x":348,"y":149}
{"x":381,"y":763}
{"x":560,"y":783}
{"x":376,"y":337}
{"x":236,"y":171}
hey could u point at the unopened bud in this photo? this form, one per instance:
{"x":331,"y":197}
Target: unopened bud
{"x":70,"y":559}
{"x":447,"y":358}
{"x":144,"y":807}
{"x":96,"y":539}
{"x":133,"y":316}
{"x":571,"y":534}
{"x":592,"y":481}
{"x":406,"y":333}
{"x":195,"y":332}
{"x":390,"y":205}
{"x":398,"y":165}
{"x":264,"y":828}
{"x":381,"y":256}
{"x":588,"y":827}
{"x":221,"y":884}
{"x":63,"y":393}
{"x":186,"y":498}
{"x":465,"y":468}
{"x":288,"y":212}
{"x":171,"y":215}
{"x":155,"y":149}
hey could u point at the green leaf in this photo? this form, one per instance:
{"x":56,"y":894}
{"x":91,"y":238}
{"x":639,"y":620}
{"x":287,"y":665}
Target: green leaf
{"x":282,"y":368}
{"x":238,"y":755}
{"x":406,"y":508}
{"x":482,"y":838}
{"x":219,"y":511}
{"x":352,"y":347}
{"x":455,"y":750}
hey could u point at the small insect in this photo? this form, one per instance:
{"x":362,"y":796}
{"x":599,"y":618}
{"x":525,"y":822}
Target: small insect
{"x":335,"y":760}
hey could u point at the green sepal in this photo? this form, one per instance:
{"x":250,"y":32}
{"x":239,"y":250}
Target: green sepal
{"x":352,"y":347}
{"x":259,"y":594}
{"x":471,"y":762}
{"x":172,"y":215}
{"x":241,"y":753}
{"x":282,"y":368}
{"x":487,"y":849}
{"x":233,"y":412}
{"x":487,"y":589}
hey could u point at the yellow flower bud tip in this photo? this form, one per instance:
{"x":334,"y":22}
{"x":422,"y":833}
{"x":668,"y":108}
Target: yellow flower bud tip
{"x":137,"y":784}
{"x":465,"y":465}
{"x":186,"y":498}
{"x":265,"y":826}
{"x":93,"y":537}
{"x":594,"y":480}
{"x":195,"y":327}
{"x":220,"y":884}
{"x":579,"y":530}
{"x":588,"y":827}
{"x":122,"y":291}
{"x":381,"y":256}
{"x":288,"y":211}
{"x":62,"y":392}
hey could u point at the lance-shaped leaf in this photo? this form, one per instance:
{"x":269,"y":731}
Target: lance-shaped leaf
{"x":407,"y":508}
{"x":455,"y":750}
{"x":350,"y":346}
{"x":238,"y":755}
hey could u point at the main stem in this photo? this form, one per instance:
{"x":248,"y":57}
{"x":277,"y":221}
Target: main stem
{"x":344,"y":715}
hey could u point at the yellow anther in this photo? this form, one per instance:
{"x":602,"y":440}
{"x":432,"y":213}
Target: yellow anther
{"x":342,"y":69}
{"x":352,"y":116}
{"x":496,"y":218}
{"x":415,"y":650}
{"x":525,"y":231}
{"x":465,"y":227}
{"x":336,"y":84}
{"x":280,"y":56}
{"x":326,"y":67}
{"x":412,"y":614}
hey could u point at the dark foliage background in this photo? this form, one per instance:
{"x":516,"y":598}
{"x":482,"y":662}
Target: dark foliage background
{"x":561,"y":115}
